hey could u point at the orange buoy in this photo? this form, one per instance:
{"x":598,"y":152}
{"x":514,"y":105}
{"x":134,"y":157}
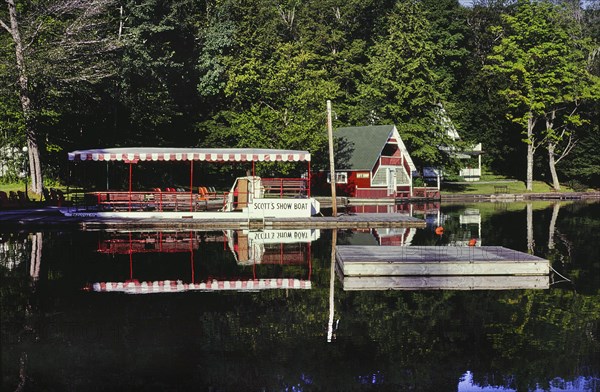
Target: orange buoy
{"x":439,"y":230}
{"x":472,"y":242}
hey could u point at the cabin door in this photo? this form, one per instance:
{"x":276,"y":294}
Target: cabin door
{"x":391,"y":180}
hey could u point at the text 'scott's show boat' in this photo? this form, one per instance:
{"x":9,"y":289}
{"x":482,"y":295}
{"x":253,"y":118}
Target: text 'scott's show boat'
{"x":250,"y":197}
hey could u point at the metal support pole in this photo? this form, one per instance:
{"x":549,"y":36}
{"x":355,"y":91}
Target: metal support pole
{"x":309,"y":181}
{"x":191,"y":185}
{"x":130,"y":170}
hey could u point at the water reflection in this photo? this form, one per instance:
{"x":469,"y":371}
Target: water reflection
{"x":57,"y":337}
{"x":289,"y":250}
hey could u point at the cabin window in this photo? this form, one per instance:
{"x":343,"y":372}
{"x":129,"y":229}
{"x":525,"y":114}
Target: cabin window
{"x":389,"y":150}
{"x":340,"y":178}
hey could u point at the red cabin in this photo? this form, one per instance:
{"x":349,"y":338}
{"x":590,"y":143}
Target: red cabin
{"x":371,"y":162}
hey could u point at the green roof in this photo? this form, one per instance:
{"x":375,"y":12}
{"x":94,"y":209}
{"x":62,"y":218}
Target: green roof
{"x":359,"y":148}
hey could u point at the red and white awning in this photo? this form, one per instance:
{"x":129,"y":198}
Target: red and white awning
{"x":135,"y":154}
{"x":172,"y":286}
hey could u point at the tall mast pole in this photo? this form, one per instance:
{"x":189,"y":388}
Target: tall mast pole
{"x":331,"y":160}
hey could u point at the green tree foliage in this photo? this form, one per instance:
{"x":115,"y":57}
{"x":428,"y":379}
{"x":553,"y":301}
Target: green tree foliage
{"x":278,"y":103}
{"x":482,"y":109}
{"x":156,"y":90}
{"x":449,"y":35}
{"x":400,"y":84}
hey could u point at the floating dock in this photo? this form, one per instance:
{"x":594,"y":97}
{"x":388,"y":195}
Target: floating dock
{"x":378,"y":261}
{"x":51,"y":218}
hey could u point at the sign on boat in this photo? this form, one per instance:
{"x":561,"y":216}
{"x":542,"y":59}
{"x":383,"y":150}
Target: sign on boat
{"x":250,"y":197}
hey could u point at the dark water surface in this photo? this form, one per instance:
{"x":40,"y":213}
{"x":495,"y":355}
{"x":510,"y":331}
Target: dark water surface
{"x":238,"y":311}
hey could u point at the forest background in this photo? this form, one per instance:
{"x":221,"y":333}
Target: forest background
{"x":522,"y":77}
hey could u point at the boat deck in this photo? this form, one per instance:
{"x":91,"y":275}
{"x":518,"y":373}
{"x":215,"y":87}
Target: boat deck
{"x":51,"y":218}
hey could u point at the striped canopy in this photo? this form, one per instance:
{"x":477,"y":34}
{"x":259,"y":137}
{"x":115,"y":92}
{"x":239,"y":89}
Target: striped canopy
{"x":135,"y":154}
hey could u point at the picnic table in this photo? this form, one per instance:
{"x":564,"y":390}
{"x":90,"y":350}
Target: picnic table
{"x":500,"y":188}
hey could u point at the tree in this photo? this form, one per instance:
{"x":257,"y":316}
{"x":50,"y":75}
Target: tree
{"x":155,"y":93}
{"x":448,"y":33}
{"x":573,"y":84}
{"x":278,"y":103}
{"x":35,"y":167}
{"x":481,"y":110}
{"x":54,"y":44}
{"x":399,"y":84}
{"x":539,"y":64}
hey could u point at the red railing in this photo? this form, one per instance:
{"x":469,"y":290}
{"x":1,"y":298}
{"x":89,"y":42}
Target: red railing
{"x":285,"y":187}
{"x":382,"y":193}
{"x":158,"y":200}
{"x":373,"y":193}
{"x":426,"y":192}
{"x":149,"y":201}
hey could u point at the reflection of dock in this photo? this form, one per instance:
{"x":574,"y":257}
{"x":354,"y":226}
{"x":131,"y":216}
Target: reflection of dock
{"x":439,"y":268}
{"x":472,"y":282}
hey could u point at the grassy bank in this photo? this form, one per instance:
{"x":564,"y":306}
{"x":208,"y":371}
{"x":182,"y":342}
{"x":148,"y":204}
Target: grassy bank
{"x":490,"y":188}
{"x":488,"y":185}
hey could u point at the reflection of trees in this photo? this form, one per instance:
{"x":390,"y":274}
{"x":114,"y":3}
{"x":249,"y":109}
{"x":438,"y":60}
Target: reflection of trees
{"x":530,"y":241}
{"x":544,"y":335}
{"x":552,"y":226}
{"x":19,"y":301}
{"x":575,"y":250}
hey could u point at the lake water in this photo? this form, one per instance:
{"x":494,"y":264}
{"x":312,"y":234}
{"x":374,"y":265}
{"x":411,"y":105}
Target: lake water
{"x":262,"y":311}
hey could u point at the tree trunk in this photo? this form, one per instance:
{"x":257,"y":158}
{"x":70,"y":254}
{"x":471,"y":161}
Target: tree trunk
{"x":35,"y":167}
{"x":552,"y":164}
{"x":530,"y":151}
{"x":551,"y":149}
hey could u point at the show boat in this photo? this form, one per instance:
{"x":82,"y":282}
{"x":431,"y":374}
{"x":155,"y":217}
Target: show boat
{"x":250,"y":197}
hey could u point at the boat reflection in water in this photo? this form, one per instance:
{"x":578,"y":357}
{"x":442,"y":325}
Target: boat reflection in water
{"x":283,"y":255}
{"x":271,"y":246}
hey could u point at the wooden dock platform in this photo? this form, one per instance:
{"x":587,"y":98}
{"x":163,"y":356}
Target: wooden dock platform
{"x":356,"y":260}
{"x":51,"y":218}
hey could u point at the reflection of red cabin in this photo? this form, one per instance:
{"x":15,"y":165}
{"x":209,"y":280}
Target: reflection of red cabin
{"x":394,"y":236}
{"x":371,"y":162}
